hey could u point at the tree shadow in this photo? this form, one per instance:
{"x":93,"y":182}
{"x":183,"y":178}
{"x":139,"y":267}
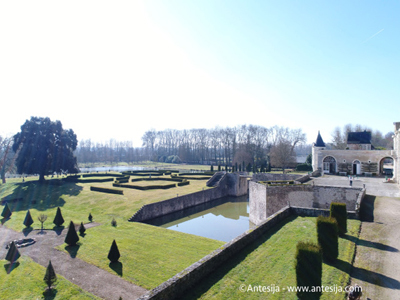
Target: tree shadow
{"x":366,"y":275}
{"x":3,"y":220}
{"x":205,"y":284}
{"x":370,"y":244}
{"x":367,"y":208}
{"x":58,"y":229}
{"x":73,"y":250}
{"x":117,"y":267}
{"x":50,"y":294}
{"x":11,"y":266}
{"x":27,"y":230}
{"x":40,"y":196}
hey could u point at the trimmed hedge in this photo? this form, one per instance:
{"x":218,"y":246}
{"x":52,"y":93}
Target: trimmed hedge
{"x":339,"y":212}
{"x":144,"y":188}
{"x":183,"y":183}
{"x":193,"y":178}
{"x":308,"y":267}
{"x":91,"y":180}
{"x":328,"y":237}
{"x":106,"y":190}
{"x":157,"y":179}
{"x":103,"y":174}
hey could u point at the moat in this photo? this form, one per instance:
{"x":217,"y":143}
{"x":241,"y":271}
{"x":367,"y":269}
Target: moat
{"x":222,"y":219}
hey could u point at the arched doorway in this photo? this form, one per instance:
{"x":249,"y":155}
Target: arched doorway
{"x":329,"y":165}
{"x":386,"y":166}
{"x":356,"y":167}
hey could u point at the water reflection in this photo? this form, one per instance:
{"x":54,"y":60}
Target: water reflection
{"x":222,"y":219}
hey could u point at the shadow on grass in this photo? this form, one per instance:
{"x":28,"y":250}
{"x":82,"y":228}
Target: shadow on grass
{"x":367,"y":209}
{"x":366,"y":275}
{"x":58,"y":229}
{"x":3,"y":220}
{"x":11,"y":266}
{"x":73,"y":250}
{"x":27,"y":230}
{"x":50,"y":294}
{"x":40,"y":196}
{"x":370,"y":244}
{"x":215,"y":276}
{"x":117,"y":267}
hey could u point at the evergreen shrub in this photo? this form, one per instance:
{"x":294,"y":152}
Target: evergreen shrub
{"x":339,"y":212}
{"x":308,"y":265}
{"x":328,"y":237}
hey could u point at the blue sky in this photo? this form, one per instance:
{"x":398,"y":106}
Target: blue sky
{"x":116,"y":69}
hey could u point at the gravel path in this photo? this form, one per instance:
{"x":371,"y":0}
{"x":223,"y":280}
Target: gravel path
{"x":377,"y":264}
{"x":89,"y":277}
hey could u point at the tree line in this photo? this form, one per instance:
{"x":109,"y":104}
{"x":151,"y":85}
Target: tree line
{"x":252,"y":144}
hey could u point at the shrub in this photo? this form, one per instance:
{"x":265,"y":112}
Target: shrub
{"x":58,"y":219}
{"x":114,"y":222}
{"x":13,"y":253}
{"x":50,"y":276}
{"x":82,"y":229}
{"x":308,"y":267}
{"x":339,"y":212}
{"x":327,"y":233}
{"x":6,"y":212}
{"x":72,"y":237}
{"x":90,"y":217}
{"x":303,"y":167}
{"x":28,"y":219}
{"x":113,"y":254}
{"x":106,"y":190}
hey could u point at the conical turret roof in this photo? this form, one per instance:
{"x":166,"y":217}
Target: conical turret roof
{"x":319,"y":142}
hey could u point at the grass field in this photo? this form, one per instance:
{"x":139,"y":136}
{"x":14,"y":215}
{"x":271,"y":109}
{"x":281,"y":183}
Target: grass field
{"x":270,"y":261}
{"x":150,"y":255}
{"x":25,"y":281}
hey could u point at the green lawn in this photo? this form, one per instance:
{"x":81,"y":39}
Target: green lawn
{"x":270,"y":261}
{"x":150,"y":255}
{"x":25,"y":281}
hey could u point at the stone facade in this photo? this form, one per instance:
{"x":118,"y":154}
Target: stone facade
{"x":357,"y":162}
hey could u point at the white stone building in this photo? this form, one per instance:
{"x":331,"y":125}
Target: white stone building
{"x":359,"y":158}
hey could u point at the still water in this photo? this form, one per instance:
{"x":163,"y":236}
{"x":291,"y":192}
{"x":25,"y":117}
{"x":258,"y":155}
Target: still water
{"x":222,"y":219}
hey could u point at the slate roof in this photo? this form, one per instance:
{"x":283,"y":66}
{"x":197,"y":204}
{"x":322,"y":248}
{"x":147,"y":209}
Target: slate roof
{"x":319,"y":142}
{"x":362,"y":137}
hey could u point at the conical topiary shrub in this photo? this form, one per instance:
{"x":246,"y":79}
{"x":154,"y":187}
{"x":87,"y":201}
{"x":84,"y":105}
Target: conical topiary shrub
{"x":113,"y":254}
{"x":72,"y":237}
{"x":6,"y":212}
{"x":58,"y":219}
{"x":90,"y":217}
{"x":28,"y":219}
{"x":50,"y":277}
{"x":13,"y":253}
{"x":82,"y":229}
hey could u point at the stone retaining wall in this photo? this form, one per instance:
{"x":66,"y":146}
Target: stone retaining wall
{"x":265,"y":200}
{"x":177,"y":285}
{"x":230,"y":185}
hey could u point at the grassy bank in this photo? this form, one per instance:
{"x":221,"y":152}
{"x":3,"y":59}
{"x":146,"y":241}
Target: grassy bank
{"x":270,"y":261}
{"x":149,"y":255}
{"x":25,"y":281}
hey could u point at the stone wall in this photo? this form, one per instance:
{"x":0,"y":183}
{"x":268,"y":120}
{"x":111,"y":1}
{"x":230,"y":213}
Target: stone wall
{"x":177,"y":285}
{"x":266,"y":200}
{"x":230,"y":185}
{"x":273,"y":177}
{"x":174,"y":287}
